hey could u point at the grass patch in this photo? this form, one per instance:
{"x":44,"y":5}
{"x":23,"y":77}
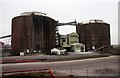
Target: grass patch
{"x":90,"y":56}
{"x":78,"y":58}
{"x":94,"y":56}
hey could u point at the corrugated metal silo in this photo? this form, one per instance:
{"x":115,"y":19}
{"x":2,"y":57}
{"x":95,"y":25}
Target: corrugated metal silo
{"x":94,"y":34}
{"x":33,"y":31}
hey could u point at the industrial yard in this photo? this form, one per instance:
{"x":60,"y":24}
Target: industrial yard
{"x":35,"y":39}
{"x":34,"y":42}
{"x":36,"y":33}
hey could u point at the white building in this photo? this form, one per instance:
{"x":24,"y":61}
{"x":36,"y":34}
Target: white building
{"x":57,"y":51}
{"x":78,"y":47}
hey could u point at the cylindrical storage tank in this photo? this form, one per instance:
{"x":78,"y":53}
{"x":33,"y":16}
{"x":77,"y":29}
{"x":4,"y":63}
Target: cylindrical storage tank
{"x":94,"y":34}
{"x":33,"y":33}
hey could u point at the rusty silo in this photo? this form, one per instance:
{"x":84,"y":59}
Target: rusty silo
{"x":94,"y":34}
{"x":33,"y":32}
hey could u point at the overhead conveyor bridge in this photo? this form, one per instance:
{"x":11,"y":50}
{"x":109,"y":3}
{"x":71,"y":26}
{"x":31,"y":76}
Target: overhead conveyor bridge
{"x":5,"y":36}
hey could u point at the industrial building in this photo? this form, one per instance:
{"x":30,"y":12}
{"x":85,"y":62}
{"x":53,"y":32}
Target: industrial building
{"x":73,"y":38}
{"x":77,"y":47}
{"x":33,"y":32}
{"x":58,"y":51}
{"x":67,"y":40}
{"x":94,"y":34}
{"x":71,"y":42}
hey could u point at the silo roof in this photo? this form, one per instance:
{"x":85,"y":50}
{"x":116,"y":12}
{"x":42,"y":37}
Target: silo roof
{"x":92,"y":21}
{"x":33,"y":13}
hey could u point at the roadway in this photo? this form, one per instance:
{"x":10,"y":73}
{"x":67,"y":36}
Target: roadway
{"x":107,"y":66}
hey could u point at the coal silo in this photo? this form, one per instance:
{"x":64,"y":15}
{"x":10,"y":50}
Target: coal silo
{"x":94,"y":34}
{"x":33,"y":32}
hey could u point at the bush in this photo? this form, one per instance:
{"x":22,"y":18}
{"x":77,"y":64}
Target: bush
{"x":116,"y":50}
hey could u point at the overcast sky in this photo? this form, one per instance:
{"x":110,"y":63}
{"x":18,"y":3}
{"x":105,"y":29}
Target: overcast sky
{"x":63,"y":11}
